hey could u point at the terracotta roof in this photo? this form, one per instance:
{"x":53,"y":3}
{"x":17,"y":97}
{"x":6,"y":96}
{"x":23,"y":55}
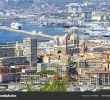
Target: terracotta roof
{"x":106,"y":52}
{"x":92,"y":56}
{"x":4,"y":70}
{"x":107,"y":60}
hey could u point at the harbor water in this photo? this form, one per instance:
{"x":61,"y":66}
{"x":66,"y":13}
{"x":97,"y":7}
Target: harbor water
{"x":6,"y":36}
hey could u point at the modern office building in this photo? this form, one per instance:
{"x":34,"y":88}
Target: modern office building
{"x":30,"y":50}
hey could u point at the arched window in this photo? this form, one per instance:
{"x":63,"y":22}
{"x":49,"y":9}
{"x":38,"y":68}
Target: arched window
{"x":59,"y":51}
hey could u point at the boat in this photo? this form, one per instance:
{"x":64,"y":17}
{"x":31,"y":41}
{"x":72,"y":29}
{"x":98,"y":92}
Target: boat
{"x":67,"y":25}
{"x":16,"y":25}
{"x":53,"y":24}
{"x":48,"y":24}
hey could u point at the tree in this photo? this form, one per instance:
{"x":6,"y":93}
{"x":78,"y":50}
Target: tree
{"x":103,"y":90}
{"x":30,"y":85}
{"x":57,"y":85}
{"x":50,"y":72}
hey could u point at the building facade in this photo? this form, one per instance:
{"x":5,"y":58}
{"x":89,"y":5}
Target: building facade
{"x":7,"y":49}
{"x":30,"y":50}
{"x":12,"y":61}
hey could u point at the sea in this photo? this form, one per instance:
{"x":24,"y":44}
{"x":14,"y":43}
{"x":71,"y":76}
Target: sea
{"x":7,"y":36}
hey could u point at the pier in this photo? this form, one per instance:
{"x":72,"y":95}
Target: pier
{"x":34,"y":32}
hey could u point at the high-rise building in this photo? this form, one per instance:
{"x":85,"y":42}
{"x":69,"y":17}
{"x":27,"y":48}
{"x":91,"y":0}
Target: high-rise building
{"x":30,"y":50}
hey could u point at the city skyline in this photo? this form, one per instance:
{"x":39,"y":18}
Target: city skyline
{"x":55,"y":46}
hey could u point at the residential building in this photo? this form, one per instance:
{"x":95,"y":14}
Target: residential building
{"x":99,"y":78}
{"x":9,"y":74}
{"x":106,"y":56}
{"x":30,"y":75}
{"x":10,"y":61}
{"x":7,"y":49}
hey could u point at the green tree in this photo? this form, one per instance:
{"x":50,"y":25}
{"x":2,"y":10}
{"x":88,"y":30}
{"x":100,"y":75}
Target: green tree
{"x":50,"y":72}
{"x":56,"y":85}
{"x":30,"y":85}
{"x":103,"y":90}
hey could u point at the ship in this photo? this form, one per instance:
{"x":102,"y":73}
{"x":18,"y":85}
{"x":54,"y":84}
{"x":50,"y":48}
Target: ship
{"x":16,"y":25}
{"x":53,"y":24}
